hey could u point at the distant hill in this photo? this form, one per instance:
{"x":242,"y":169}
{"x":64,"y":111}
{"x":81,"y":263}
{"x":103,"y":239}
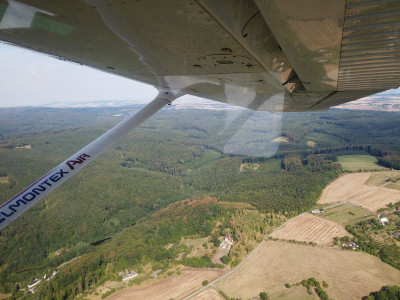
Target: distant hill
{"x":385,"y":101}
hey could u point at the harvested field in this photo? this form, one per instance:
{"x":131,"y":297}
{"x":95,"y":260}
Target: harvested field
{"x":353,"y":188}
{"x":377,"y":198}
{"x":175,"y":286}
{"x":208,"y":294}
{"x":345,"y":187}
{"x":276,"y":263}
{"x":309,"y":228}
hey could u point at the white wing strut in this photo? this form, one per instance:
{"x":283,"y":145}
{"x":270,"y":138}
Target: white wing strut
{"x":17,"y":205}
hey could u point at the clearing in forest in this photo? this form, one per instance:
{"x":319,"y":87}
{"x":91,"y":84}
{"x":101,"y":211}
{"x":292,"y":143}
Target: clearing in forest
{"x":249,"y":167}
{"x":281,"y":139}
{"x":309,"y":228}
{"x":276,"y":263}
{"x":311,"y":144}
{"x":354,"y":189}
{"x":359,"y":162}
{"x":4,"y":180}
{"x":175,"y":286}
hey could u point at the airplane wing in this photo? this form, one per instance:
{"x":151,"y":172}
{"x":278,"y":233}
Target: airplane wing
{"x":276,"y":55}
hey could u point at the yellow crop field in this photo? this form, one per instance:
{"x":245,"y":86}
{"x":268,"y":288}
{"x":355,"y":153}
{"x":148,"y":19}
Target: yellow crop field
{"x":349,"y":274}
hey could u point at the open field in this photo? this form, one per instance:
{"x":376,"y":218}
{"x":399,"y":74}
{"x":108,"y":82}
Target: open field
{"x":175,"y":286}
{"x":347,"y":214}
{"x":208,"y":294}
{"x":393,"y":186}
{"x":197,"y":245}
{"x":379,"y":178}
{"x":310,"y":228}
{"x":359,"y":162}
{"x":345,"y":187}
{"x":350,"y":275}
{"x":377,"y":198}
{"x":353,"y":188}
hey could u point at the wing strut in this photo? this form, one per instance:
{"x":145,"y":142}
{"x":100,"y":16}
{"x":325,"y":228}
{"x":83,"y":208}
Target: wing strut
{"x":17,"y":205}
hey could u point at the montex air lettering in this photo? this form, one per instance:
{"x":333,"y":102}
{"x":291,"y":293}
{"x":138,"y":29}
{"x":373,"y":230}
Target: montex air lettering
{"x":80,"y":159}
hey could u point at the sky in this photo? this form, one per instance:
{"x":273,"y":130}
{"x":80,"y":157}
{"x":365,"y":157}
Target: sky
{"x":28,"y":78}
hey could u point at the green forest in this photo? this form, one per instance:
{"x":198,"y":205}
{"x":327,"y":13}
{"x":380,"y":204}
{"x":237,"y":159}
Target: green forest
{"x":146,"y":191}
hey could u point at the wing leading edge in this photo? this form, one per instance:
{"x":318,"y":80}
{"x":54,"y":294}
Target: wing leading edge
{"x":264,"y":55}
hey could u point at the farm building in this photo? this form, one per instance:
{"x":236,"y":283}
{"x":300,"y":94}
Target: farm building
{"x":228,"y":238}
{"x":350,"y":244}
{"x":383,"y":221}
{"x":34,"y":283}
{"x":316,"y":211}
{"x":130,"y":275}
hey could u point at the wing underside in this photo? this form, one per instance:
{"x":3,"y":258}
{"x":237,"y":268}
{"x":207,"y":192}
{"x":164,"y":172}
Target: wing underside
{"x":264,"y":55}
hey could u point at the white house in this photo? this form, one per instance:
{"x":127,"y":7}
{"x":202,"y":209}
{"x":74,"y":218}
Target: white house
{"x":34,"y":283}
{"x":383,"y":221}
